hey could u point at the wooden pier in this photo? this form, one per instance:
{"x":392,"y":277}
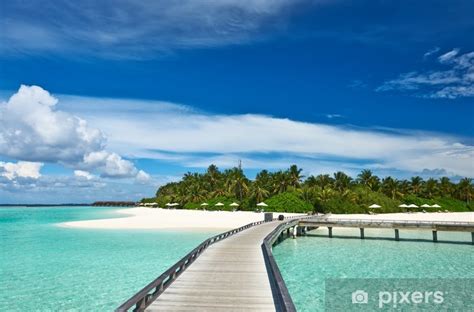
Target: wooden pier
{"x":396,"y":225}
{"x":236,"y":271}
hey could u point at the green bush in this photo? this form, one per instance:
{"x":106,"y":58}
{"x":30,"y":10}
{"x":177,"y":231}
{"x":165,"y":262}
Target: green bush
{"x":288,"y":202}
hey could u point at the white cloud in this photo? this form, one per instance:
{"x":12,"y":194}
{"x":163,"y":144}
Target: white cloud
{"x":32,"y":129}
{"x":191,"y":138}
{"x":455,"y":82}
{"x":126,"y":28}
{"x":21,"y":169}
{"x":447,"y":57}
{"x":431,"y":52}
{"x":332,"y":116}
{"x":110,"y":164}
{"x":81,"y":174}
{"x":143,"y":177}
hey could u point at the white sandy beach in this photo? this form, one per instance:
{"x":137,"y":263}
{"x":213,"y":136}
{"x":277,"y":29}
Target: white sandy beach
{"x":157,"y":218}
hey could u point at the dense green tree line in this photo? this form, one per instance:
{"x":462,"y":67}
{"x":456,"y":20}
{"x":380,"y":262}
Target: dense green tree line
{"x":289,"y":190}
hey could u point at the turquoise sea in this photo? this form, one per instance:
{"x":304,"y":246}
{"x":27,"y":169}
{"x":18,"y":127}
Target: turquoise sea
{"x":306,"y":262}
{"x":44,"y":267}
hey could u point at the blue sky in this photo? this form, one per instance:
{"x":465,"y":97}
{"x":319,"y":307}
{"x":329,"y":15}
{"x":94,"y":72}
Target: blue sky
{"x":132,"y":94}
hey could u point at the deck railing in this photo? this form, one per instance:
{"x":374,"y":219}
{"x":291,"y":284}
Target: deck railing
{"x":282,"y":297}
{"x":150,"y":292}
{"x":386,"y":221}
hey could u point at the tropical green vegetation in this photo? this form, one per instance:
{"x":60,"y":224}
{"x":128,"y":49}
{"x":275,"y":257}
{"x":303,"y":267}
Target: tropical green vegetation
{"x":290,"y":191}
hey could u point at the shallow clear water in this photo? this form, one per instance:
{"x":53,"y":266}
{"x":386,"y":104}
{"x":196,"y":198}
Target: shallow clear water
{"x":44,"y":267}
{"x":306,"y":262}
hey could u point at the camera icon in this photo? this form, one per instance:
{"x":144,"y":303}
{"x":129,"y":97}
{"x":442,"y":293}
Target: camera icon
{"x":360,"y":296}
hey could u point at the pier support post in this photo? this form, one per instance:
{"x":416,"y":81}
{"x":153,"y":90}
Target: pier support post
{"x":295,"y":231}
{"x":288,"y":232}
{"x":472,"y":236}
{"x":330,"y":231}
{"x":300,"y":231}
{"x":435,"y":236}
{"x":361,"y":233}
{"x":397,"y":235}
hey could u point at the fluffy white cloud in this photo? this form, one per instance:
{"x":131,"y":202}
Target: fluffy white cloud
{"x":455,"y":82}
{"x":32,"y":129}
{"x":110,"y":164}
{"x":143,"y":177}
{"x":21,"y":169}
{"x":145,"y":129}
{"x":127,"y":28}
{"x":81,"y":174}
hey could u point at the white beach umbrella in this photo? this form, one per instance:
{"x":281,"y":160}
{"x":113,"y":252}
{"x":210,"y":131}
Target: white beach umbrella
{"x":219,"y":204}
{"x":204,"y":204}
{"x":403,"y":206}
{"x":425,"y":206}
{"x":412,"y":206}
{"x":435,"y":206}
{"x":375,"y":206}
{"x":168,"y":205}
{"x":262,"y":204}
{"x":234,"y":204}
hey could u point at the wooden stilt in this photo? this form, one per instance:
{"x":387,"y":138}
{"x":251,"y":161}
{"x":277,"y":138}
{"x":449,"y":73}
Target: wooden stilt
{"x":330,"y":231}
{"x":397,"y":235}
{"x":362,"y":233}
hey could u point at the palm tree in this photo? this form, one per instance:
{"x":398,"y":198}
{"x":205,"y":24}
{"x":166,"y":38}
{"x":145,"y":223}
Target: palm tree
{"x":213,"y":176}
{"x":264,"y":178}
{"x":324,"y":181}
{"x":237,"y":183}
{"x":416,"y":185}
{"x":390,"y":187}
{"x":374,"y":183}
{"x":431,"y":188}
{"x":195,"y":193}
{"x":281,"y":181}
{"x":404,"y":186}
{"x":364,"y":177}
{"x":219,"y":191}
{"x":350,"y":196}
{"x":259,"y":192}
{"x":370,"y":181}
{"x":295,"y":176}
{"x":465,"y":189}
{"x":311,"y":181}
{"x":341,"y":181}
{"x":323,"y":195}
{"x":445,"y":186}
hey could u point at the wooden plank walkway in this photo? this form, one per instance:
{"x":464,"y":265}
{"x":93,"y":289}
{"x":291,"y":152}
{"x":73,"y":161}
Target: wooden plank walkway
{"x":229,"y":276}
